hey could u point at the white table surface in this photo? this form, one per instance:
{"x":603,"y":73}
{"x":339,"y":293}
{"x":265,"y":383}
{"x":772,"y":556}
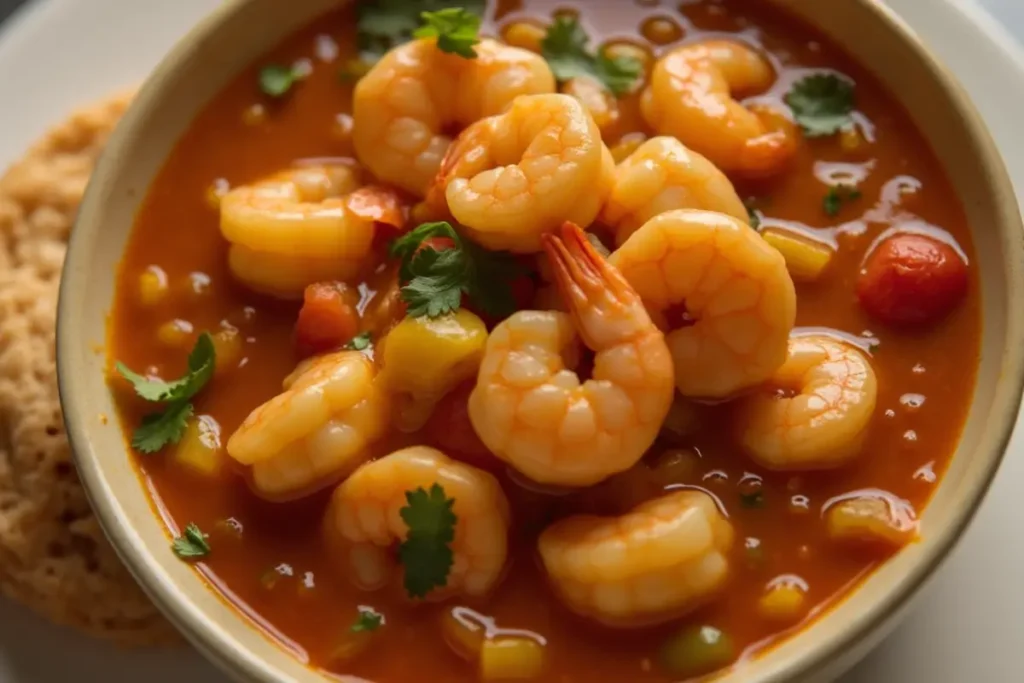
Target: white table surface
{"x":966,"y":627}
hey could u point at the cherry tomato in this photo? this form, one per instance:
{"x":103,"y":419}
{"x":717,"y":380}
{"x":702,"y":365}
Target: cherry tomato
{"x":451,"y":431}
{"x":327,"y":319}
{"x":912,"y":279}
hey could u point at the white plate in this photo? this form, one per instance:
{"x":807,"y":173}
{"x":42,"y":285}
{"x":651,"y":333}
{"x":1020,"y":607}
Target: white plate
{"x":61,"y":53}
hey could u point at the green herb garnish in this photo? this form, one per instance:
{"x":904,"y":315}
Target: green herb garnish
{"x":565,"y":49}
{"x":836,"y":196}
{"x":359,"y":342}
{"x":368,"y":620}
{"x":191,"y":544}
{"x":384,"y":24}
{"x":276,"y":80}
{"x":822,"y":103}
{"x":436,"y":279}
{"x":159,"y":429}
{"x":426,"y":552}
{"x":752,"y":500}
{"x":456,"y":29}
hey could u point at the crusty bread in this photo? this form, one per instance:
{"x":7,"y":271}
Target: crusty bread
{"x":53,"y":555}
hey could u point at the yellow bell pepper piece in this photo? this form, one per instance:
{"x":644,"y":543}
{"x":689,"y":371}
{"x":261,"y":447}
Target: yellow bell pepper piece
{"x":805,"y":260}
{"x":511,"y":659}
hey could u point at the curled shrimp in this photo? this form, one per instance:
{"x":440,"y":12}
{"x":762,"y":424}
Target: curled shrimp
{"x":404,"y":107}
{"x":823,"y":424}
{"x":364,"y":523}
{"x":304,"y":225}
{"x":658,"y":562}
{"x":319,"y":429}
{"x":690,"y":97}
{"x":731,"y":289}
{"x":511,"y":178}
{"x":532,"y":411}
{"x":661,"y":175}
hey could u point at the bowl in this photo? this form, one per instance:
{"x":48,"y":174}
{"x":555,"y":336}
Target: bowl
{"x":233,"y":37}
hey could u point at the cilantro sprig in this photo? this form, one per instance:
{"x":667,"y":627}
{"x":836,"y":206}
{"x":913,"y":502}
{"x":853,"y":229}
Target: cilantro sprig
{"x":277,"y":80}
{"x":565,"y":49}
{"x":191,"y":544}
{"x":426,"y":552}
{"x":436,"y":278}
{"x":456,"y":29}
{"x":384,"y":24}
{"x":159,"y":429}
{"x":822,"y":103}
{"x":837,"y":196}
{"x":369,"y":619}
{"x":360,"y":342}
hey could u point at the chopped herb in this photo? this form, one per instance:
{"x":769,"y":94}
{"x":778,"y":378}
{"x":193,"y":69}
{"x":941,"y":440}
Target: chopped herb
{"x":191,"y":544}
{"x":426,"y":552}
{"x":565,"y":49}
{"x":359,"y":342}
{"x":752,"y":499}
{"x":822,"y":103}
{"x":436,"y":279}
{"x":754,"y":213}
{"x":159,"y":429}
{"x":277,"y":80}
{"x":873,"y":346}
{"x":368,"y":620}
{"x":456,"y":29}
{"x":384,"y":24}
{"x":836,"y":196}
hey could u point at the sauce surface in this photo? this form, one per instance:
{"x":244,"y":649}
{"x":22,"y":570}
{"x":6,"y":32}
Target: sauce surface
{"x":268,"y":557}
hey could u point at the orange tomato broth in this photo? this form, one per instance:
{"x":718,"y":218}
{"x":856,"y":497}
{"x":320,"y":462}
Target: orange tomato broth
{"x":925,"y":377}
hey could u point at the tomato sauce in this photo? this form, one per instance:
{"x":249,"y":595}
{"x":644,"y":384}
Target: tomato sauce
{"x":269,"y":558}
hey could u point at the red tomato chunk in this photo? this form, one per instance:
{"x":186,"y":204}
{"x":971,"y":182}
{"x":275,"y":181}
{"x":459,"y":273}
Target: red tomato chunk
{"x":911,"y":279}
{"x":326,"y":321}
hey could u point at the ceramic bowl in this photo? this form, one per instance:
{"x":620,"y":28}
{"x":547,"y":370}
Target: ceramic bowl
{"x":235,"y":36}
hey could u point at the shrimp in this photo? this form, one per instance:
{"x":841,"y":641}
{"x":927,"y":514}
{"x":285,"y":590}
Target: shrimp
{"x":534,"y":413}
{"x":731,"y":289}
{"x":661,"y":175}
{"x":302,"y":226}
{"x":512,"y":178}
{"x":823,"y":425}
{"x":690,"y":97}
{"x":658,"y":562}
{"x":403,"y":108}
{"x":319,"y":429}
{"x":364,"y":523}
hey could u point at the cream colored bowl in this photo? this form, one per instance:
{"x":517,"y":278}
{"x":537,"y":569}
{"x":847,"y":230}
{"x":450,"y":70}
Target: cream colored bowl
{"x":235,"y":36}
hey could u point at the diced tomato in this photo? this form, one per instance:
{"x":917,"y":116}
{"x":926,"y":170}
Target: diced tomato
{"x":438,"y":243}
{"x":327,"y":319}
{"x":451,"y":431}
{"x":912,"y":279}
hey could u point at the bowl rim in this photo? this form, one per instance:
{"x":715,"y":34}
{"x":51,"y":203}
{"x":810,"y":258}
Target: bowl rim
{"x":244,"y":664}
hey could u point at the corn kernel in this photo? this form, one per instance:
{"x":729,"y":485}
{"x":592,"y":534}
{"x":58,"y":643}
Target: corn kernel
{"x":176,"y":334}
{"x":465,"y":631}
{"x":511,"y":659}
{"x":805,"y":260}
{"x":152,"y":286}
{"x":524,"y":34}
{"x":661,"y":30}
{"x":626,"y":145}
{"x":850,"y":139}
{"x":227,"y":344}
{"x":783,"y":601}
{"x":627,"y":50}
{"x":200,"y":448}
{"x":873,"y":521}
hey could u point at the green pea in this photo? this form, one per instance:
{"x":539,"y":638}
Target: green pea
{"x":696,"y":650}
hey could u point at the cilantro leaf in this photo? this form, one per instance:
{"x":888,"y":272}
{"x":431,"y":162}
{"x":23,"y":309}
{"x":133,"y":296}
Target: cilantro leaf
{"x":384,"y":24}
{"x":276,"y":80}
{"x":369,"y":619}
{"x":565,"y":49}
{"x":200,"y":369}
{"x":822,"y":103}
{"x":191,"y":544}
{"x":456,"y":30}
{"x":160,"y":429}
{"x":426,"y":553}
{"x":360,"y":342}
{"x":836,"y":196}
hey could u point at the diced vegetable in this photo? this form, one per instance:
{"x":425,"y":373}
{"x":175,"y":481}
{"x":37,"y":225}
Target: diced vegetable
{"x":661,"y":30}
{"x":463,"y":632}
{"x":192,"y":543}
{"x":200,"y":449}
{"x":871,"y":521}
{"x":511,"y":659}
{"x":176,"y":334}
{"x":227,"y":344}
{"x":783,"y":601}
{"x":450,"y":430}
{"x":152,"y":286}
{"x":524,"y":34}
{"x":425,"y":358}
{"x":912,"y":279}
{"x":628,"y":51}
{"x":850,"y":139}
{"x":696,"y":651}
{"x":597,"y":99}
{"x":822,"y":103}
{"x":677,"y":466}
{"x":327,"y":320}
{"x":805,"y":260}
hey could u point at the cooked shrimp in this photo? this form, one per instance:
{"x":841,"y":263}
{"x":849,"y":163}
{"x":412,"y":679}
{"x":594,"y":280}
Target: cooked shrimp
{"x":512,"y":178}
{"x":302,"y":226}
{"x":658,"y":562}
{"x":690,"y":97}
{"x":532,"y":411}
{"x":403,"y":108}
{"x":661,"y":175}
{"x":319,"y":429}
{"x":732,"y":290}
{"x":823,"y":424}
{"x":364,"y":521}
